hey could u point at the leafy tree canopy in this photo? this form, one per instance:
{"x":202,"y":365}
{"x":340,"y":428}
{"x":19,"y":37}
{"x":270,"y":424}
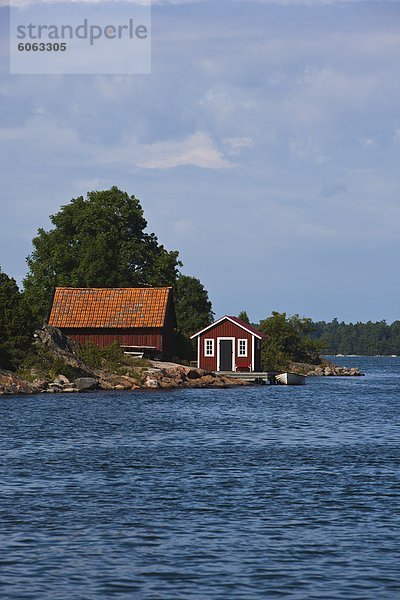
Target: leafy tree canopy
{"x":243,"y":316}
{"x":193,"y":312}
{"x":288,"y":340}
{"x":359,"y":338}
{"x":193,"y":306}
{"x":97,"y":241}
{"x":16,"y":324}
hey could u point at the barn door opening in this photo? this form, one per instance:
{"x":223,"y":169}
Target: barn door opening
{"x":225,"y":355}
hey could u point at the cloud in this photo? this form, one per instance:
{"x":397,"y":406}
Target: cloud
{"x":197,"y":150}
{"x":307,"y":150}
{"x":367,"y":142}
{"x":282,"y":96}
{"x":46,"y":136}
{"x":325,"y":92}
{"x":223,"y":101}
{"x":236,"y":144}
{"x":219,"y":102}
{"x":41,"y":132}
{"x":22,"y":3}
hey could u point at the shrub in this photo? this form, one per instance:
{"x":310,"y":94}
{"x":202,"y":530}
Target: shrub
{"x":41,"y":364}
{"x":110,"y":357}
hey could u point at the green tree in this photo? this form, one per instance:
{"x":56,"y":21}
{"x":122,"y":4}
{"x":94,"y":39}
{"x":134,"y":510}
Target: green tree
{"x":359,"y":338}
{"x":192,"y":304}
{"x":395,"y":338}
{"x":97,"y":241}
{"x":16,"y":323}
{"x":288,"y":340}
{"x":193,"y":312}
{"x":243,"y":316}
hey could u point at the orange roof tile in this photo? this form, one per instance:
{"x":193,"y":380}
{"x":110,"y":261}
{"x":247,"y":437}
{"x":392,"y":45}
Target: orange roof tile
{"x":109,"y":307}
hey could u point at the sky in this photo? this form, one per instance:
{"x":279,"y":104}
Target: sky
{"x":264,"y":146}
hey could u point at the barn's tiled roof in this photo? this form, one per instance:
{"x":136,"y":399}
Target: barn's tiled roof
{"x":109,"y":307}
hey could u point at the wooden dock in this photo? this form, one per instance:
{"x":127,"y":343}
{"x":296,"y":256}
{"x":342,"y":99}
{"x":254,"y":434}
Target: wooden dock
{"x":262,"y":378}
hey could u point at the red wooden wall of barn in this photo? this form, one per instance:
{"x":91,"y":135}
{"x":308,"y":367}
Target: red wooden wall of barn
{"x":228,"y":329}
{"x":125,"y":337}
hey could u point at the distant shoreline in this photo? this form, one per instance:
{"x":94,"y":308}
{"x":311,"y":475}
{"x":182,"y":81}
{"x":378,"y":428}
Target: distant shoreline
{"x":361,"y":356}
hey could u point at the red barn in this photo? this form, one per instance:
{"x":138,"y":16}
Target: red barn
{"x":229,"y":344}
{"x":139,"y":319}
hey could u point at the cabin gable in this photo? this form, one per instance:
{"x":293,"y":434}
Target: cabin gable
{"x":229,"y":345}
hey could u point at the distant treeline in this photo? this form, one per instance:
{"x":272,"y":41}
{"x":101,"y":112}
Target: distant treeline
{"x":369,"y":339}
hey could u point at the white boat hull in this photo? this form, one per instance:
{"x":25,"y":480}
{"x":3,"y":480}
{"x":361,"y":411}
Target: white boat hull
{"x":290,"y":379}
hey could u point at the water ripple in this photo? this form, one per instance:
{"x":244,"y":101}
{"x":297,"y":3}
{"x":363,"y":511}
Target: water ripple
{"x":255,"y":493}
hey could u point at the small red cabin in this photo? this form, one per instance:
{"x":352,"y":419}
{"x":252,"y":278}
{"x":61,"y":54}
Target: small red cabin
{"x":229,"y":344}
{"x":141,"y":320}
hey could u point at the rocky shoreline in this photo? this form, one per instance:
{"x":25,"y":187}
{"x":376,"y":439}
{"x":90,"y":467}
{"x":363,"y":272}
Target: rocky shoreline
{"x":154,"y":375}
{"x":325,"y":369}
{"x":169,"y":378}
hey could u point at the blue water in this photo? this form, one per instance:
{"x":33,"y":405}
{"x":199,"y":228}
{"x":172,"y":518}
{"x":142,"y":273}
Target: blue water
{"x":266,"y":492}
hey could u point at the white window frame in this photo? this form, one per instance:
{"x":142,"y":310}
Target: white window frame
{"x":211,"y":353}
{"x":246,"y":348}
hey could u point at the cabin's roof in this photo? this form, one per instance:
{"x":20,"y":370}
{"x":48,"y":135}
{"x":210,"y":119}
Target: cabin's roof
{"x":239,"y":322}
{"x":249,"y":328}
{"x":109,"y":307}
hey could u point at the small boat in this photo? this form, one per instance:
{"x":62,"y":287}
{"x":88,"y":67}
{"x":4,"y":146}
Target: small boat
{"x":290,"y":379}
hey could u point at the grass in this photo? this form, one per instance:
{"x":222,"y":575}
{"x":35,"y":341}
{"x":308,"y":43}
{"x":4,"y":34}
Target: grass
{"x":110,"y":358}
{"x":42,"y":364}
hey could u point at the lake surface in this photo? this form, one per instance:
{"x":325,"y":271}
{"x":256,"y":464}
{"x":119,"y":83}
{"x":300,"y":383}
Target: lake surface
{"x":265,"y":492}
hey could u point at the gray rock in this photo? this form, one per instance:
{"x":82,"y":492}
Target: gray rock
{"x":61,"y":379}
{"x":55,"y":340}
{"x":62,"y":347}
{"x":193,"y":374}
{"x":86,"y":383}
{"x":12,"y":384}
{"x":152,"y":383}
{"x":55,"y":387}
{"x":155,"y":372}
{"x":40,"y":384}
